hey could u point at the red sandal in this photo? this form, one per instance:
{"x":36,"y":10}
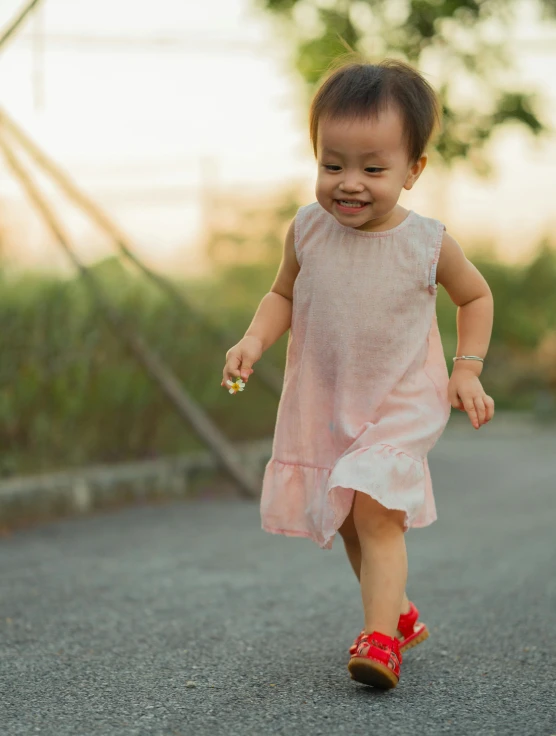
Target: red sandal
{"x":412,"y":631}
{"x":377,"y":661}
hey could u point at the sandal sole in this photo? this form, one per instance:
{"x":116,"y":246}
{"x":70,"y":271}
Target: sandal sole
{"x":423,"y":636}
{"x":369,"y":672}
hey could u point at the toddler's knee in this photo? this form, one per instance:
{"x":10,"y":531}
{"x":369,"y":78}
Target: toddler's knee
{"x":372,"y":518}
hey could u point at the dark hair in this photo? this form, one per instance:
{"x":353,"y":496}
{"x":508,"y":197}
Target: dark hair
{"x":359,"y":90}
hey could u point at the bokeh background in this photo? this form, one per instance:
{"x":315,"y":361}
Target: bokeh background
{"x":187,"y":123}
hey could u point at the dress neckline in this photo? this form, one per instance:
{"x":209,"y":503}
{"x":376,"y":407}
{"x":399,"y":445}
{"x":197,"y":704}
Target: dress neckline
{"x":371,"y":234}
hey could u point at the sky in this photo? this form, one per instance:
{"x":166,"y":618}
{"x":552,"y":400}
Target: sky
{"x":155,"y":133}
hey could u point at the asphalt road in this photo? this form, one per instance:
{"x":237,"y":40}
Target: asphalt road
{"x":187,"y":619}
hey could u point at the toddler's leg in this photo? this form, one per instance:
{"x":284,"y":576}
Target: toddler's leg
{"x":350,"y":538}
{"x":383,"y":571}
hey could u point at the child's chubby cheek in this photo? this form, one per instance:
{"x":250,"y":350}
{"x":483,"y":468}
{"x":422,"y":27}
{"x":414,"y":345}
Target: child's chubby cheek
{"x":325,"y":198}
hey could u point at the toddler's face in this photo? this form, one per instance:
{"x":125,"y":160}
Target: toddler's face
{"x":362,"y":168}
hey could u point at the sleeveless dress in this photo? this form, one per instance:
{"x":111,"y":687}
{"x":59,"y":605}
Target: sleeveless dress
{"x":365,"y":389}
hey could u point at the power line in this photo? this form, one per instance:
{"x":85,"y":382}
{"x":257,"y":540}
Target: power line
{"x":193,"y":42}
{"x":187,"y":43}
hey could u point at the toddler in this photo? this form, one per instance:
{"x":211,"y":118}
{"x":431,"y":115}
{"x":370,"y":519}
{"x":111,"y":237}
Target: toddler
{"x":366,"y":390}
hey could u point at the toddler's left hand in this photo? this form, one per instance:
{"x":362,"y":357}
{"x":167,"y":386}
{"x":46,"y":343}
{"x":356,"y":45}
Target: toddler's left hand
{"x":466,"y":393}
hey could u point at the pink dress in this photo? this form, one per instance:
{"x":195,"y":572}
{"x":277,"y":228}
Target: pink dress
{"x":365,"y":390}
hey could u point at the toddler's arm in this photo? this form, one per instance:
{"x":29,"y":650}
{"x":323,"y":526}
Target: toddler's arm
{"x":469,"y":290}
{"x":272,"y":319}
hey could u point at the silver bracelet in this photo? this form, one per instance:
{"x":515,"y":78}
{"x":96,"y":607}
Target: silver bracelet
{"x":468,"y":357}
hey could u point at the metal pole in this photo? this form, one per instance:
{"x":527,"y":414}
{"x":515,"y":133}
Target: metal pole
{"x":186,"y":407}
{"x":17,"y":21}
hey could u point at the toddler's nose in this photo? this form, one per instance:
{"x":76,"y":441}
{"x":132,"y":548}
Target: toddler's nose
{"x":352,"y":185}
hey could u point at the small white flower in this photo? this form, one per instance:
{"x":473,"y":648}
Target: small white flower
{"x":235,"y":386}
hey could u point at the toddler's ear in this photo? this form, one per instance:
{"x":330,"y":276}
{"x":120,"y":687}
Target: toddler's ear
{"x":415,"y":171}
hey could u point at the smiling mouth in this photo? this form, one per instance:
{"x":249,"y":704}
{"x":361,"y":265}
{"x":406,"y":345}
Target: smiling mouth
{"x":351,"y":204}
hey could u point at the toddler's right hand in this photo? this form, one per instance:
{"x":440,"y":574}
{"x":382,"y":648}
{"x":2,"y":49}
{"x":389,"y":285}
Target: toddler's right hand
{"x":240,"y":358}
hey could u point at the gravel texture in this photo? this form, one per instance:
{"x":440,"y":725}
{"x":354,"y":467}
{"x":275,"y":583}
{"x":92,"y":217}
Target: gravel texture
{"x":186,"y":619}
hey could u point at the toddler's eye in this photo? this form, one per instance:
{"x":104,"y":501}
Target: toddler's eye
{"x":332,"y":167}
{"x":374,"y":170}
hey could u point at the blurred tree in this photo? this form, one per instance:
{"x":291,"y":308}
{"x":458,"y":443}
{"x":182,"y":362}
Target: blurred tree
{"x":245,"y":252}
{"x":251,"y":236}
{"x":459,"y":44}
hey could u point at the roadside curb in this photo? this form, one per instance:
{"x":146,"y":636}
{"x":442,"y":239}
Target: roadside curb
{"x":32,"y":499}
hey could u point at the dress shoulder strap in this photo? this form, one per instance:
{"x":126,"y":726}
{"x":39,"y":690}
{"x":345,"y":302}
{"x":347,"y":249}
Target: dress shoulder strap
{"x":436,"y":245}
{"x":306,"y":221}
{"x":430,"y":233}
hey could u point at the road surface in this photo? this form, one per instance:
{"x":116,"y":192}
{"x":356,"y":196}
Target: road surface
{"x":186,"y":619}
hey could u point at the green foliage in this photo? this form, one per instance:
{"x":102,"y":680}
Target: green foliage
{"x":70,"y":394}
{"x":449,"y":37}
{"x":524,"y":319}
